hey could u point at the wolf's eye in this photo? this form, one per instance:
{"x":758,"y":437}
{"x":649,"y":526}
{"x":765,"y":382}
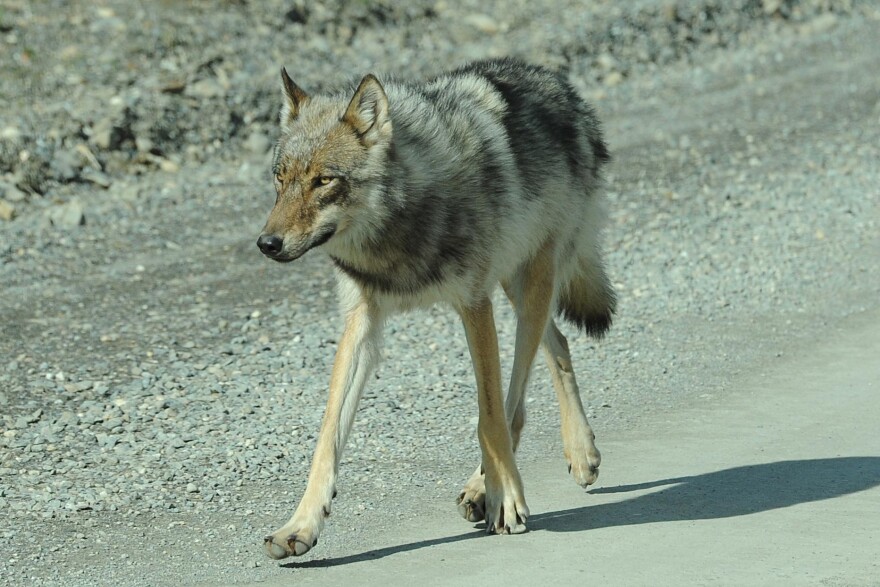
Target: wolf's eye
{"x":278,"y":178}
{"x":323,"y":180}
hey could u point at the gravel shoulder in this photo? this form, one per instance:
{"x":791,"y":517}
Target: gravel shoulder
{"x":161,"y":385}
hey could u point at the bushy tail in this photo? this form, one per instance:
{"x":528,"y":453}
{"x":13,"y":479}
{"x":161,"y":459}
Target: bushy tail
{"x":588,"y":301}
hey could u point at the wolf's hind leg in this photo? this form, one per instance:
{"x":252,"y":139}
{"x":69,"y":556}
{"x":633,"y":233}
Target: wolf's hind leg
{"x":356,"y":357}
{"x":577,"y":435}
{"x":472,"y":499}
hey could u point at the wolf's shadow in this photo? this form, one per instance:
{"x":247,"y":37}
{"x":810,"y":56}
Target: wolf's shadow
{"x":721,"y":494}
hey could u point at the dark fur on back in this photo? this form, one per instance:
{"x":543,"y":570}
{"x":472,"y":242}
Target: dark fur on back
{"x":545,"y":111}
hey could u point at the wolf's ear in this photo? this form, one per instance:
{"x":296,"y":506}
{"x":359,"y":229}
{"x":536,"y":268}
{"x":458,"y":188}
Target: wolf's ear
{"x":294,"y":96}
{"x":367,"y":113}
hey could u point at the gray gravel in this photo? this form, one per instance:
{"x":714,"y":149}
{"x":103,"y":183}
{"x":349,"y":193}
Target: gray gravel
{"x":161,"y":385}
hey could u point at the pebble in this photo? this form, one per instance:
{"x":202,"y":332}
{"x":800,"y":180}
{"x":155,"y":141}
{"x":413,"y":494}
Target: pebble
{"x":68,"y":215}
{"x":483,"y":23}
{"x":143,"y":144}
{"x":11,"y":193}
{"x":771,"y":6}
{"x":105,"y":135}
{"x":204,"y":88}
{"x":257,"y":142}
{"x":821,"y":24}
{"x":66,"y":165}
{"x":7,"y":210}
{"x":99,"y":178}
{"x":10,"y":133}
{"x":613,"y":78}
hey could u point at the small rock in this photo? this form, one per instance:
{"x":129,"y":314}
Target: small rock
{"x":11,"y":193}
{"x":204,"y":88}
{"x":99,"y":178}
{"x":483,"y":23}
{"x":79,"y":386}
{"x":34,"y":417}
{"x":143,"y":144}
{"x":113,"y":423}
{"x":168,"y":165}
{"x":820,"y":24}
{"x":173,"y":86}
{"x":65,"y":164}
{"x":111,"y":132}
{"x":69,"y":215}
{"x":106,"y":440}
{"x":606,"y":61}
{"x":87,"y":155}
{"x":10,"y":133}
{"x":192,"y":488}
{"x":7,"y":210}
{"x":771,"y":6}
{"x":102,"y":134}
{"x":258,"y":143}
{"x":613,"y":79}
{"x":127,"y":192}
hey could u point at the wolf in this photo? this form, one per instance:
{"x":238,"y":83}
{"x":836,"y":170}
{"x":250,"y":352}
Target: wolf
{"x":436,"y":192}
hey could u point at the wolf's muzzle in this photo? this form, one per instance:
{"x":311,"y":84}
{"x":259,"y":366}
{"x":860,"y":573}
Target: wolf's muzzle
{"x":273,"y":246}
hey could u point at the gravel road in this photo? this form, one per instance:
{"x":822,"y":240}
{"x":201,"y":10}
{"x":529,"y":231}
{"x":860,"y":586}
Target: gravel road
{"x":161,"y":384}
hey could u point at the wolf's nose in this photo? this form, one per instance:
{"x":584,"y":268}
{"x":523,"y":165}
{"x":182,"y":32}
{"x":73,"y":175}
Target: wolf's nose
{"x":270,"y":244}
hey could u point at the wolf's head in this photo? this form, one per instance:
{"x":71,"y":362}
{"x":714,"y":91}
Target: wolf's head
{"x":328,"y":162}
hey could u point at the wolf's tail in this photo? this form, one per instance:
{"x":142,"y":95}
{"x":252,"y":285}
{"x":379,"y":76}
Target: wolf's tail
{"x":588,"y":301}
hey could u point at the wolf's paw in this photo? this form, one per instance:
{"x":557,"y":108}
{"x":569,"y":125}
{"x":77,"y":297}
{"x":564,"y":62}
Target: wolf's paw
{"x":583,"y":462}
{"x":289,"y":541}
{"x":472,"y":499}
{"x":506,"y":510}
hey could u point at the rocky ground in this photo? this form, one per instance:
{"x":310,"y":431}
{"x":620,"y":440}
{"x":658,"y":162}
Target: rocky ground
{"x":161,"y":384}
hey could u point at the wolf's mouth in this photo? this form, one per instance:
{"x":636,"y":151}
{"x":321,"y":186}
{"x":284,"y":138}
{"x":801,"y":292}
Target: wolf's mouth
{"x":322,"y":237}
{"x":317,"y":241}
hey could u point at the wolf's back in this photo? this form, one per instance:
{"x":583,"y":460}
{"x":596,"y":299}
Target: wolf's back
{"x":545,"y":117}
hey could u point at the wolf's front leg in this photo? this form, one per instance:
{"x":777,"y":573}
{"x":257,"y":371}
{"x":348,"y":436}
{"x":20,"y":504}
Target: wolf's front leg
{"x":505,"y":506}
{"x":356,"y":357}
